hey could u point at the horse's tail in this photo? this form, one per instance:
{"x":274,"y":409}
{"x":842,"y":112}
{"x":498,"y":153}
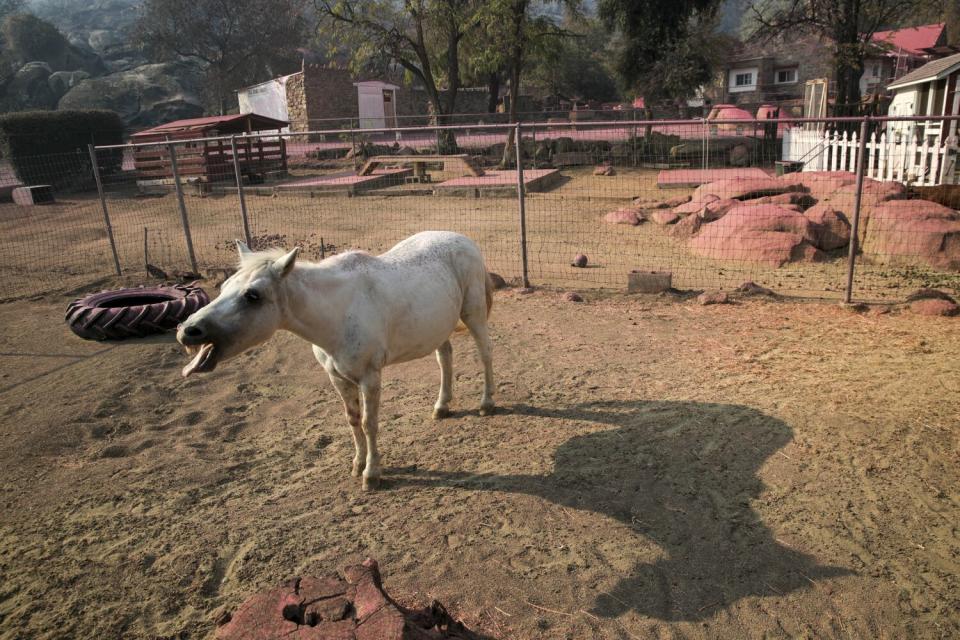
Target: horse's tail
{"x":488,"y":289}
{"x":488,"y":292}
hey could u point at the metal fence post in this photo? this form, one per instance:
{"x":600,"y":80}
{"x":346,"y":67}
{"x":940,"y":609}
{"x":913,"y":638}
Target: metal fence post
{"x":243,"y":200}
{"x":103,"y":206}
{"x":855,"y":224}
{"x":183,"y":207}
{"x":522,"y":202}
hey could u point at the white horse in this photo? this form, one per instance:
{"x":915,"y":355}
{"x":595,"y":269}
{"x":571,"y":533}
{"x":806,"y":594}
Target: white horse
{"x":361,"y":313}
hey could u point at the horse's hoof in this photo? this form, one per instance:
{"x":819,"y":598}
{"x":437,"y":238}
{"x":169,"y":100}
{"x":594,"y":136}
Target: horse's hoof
{"x":357,"y":471}
{"x":487,"y":410}
{"x":439,"y":413}
{"x":371,"y":483}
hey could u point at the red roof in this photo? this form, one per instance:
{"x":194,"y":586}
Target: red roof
{"x":231,"y":123}
{"x":912,"y":40}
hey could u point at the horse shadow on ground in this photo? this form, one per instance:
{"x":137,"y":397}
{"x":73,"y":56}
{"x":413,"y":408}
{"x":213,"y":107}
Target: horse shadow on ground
{"x":681,"y":474}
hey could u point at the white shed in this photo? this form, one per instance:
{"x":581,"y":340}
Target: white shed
{"x":377,"y":102}
{"x":931,"y":90}
{"x":266,"y":99}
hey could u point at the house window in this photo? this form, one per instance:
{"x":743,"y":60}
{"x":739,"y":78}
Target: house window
{"x":743,"y":80}
{"x":785,"y":76}
{"x":876,"y":71}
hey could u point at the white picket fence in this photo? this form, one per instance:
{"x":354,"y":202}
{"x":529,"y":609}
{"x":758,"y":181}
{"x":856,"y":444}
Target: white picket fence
{"x":929,"y":163}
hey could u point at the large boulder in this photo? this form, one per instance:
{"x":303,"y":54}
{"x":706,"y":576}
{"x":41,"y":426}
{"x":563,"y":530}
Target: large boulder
{"x":767,"y":234}
{"x":30,"y":89}
{"x":914,"y":232}
{"x":832,"y":226}
{"x":747,"y":188}
{"x":820,"y":184}
{"x":144,"y":96}
{"x":62,"y":81}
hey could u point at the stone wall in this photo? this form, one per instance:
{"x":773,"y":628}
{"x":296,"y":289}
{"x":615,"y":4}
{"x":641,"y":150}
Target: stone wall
{"x":296,"y":103}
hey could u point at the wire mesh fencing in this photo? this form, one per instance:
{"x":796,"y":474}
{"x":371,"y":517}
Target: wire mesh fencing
{"x":711,"y":203}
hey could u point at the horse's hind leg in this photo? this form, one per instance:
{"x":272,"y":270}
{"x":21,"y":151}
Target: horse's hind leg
{"x":475,"y":317}
{"x":445,"y":358}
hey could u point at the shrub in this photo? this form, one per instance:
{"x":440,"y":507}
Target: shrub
{"x":50,"y":147}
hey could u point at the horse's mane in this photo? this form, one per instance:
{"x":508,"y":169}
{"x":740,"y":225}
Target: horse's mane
{"x":259,"y":259}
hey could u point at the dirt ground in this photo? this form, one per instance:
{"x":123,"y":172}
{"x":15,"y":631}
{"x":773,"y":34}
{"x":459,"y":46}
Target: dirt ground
{"x":657,"y":469}
{"x":65,"y":244}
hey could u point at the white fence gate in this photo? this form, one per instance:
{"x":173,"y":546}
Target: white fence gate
{"x":929,"y":163}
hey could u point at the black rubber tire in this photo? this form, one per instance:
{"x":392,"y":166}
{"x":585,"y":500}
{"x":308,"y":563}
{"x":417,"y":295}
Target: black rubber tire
{"x":133,"y":313}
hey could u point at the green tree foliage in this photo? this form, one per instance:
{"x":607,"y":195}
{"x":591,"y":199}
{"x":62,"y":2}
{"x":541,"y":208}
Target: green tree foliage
{"x":424,"y":37}
{"x":579,"y":66}
{"x":666,"y":48}
{"x":239,"y":41}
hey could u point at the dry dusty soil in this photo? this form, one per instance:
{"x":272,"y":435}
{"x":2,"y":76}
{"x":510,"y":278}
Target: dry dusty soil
{"x":657,"y":469}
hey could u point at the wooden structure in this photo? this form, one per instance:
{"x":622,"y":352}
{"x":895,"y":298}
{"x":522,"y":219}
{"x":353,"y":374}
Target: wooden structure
{"x":211,"y":160}
{"x":931,"y":90}
{"x":462,"y":160}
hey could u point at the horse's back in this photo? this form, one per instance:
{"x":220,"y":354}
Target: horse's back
{"x":433,"y":246}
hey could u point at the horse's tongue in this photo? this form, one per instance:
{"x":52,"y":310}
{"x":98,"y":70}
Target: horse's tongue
{"x":201,"y":354}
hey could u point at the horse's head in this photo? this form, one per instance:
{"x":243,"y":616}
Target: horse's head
{"x":247,"y":312}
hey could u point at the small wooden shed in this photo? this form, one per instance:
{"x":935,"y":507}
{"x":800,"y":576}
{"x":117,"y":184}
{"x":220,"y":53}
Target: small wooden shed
{"x":931,"y":90}
{"x":212,"y":160}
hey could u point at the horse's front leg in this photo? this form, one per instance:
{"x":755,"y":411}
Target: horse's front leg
{"x":350,"y":395}
{"x":370,"y":390}
{"x":445,"y":359}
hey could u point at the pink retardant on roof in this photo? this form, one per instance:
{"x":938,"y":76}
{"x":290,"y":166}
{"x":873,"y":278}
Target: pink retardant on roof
{"x":258,"y":122}
{"x":343,"y":178}
{"x":497,"y":178}
{"x":694,"y":177}
{"x":912,"y":40}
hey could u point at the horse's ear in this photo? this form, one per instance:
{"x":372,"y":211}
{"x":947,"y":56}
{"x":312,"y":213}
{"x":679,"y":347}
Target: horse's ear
{"x":284,"y":265}
{"x":242,"y":248}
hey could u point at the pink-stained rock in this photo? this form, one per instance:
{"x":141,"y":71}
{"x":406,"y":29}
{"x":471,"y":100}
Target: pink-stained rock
{"x":695,"y":205}
{"x":604,"y":170}
{"x":713,"y":297}
{"x":934,"y":307}
{"x":352,"y":608}
{"x":766,"y":234}
{"x":833,"y":228}
{"x":687,"y":227}
{"x":716,"y":209}
{"x":623,"y":216}
{"x":914,"y":232}
{"x":662,"y":216}
{"x":579,"y":261}
{"x":820,"y":184}
{"x":571,"y":296}
{"x":747,"y":188}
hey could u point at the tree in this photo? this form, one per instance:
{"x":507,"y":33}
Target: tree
{"x":424,"y":37}
{"x":239,"y":41}
{"x":666,"y":47}
{"x":580,"y":66}
{"x":514,"y":33}
{"x":849,"y":26}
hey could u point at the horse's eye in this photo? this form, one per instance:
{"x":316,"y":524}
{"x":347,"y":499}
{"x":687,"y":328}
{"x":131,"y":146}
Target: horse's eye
{"x":251,"y":296}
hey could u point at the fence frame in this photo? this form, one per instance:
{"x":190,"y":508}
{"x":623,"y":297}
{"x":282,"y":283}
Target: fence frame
{"x":846,"y":146}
